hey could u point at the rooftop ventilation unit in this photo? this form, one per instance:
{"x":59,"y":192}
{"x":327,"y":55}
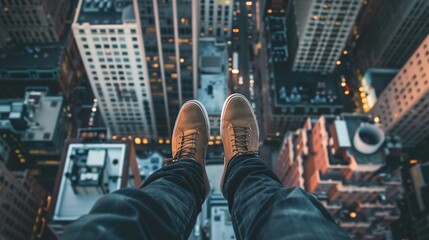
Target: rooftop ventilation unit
{"x":368,"y":139}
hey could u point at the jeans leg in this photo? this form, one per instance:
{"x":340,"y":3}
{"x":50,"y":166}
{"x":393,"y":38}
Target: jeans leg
{"x":166,"y":207}
{"x":262,"y":208}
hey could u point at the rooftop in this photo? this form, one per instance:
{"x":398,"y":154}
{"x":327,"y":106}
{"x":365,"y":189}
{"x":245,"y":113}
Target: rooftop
{"x":34,"y":57}
{"x":78,"y":189}
{"x":105,"y":12}
{"x":375,"y":81}
{"x":213,"y":75}
{"x":299,"y":88}
{"x":36,"y":116}
{"x":345,"y":128}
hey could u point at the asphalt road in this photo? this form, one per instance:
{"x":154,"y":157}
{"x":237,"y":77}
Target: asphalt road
{"x":242,"y":46}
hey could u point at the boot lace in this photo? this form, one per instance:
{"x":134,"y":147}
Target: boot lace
{"x":186,"y":148}
{"x":241,"y":141}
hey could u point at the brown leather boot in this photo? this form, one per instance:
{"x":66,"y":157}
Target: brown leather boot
{"x":239,"y":129}
{"x":191,"y":136}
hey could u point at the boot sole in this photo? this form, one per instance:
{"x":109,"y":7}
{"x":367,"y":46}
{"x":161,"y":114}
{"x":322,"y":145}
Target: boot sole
{"x":228,"y":99}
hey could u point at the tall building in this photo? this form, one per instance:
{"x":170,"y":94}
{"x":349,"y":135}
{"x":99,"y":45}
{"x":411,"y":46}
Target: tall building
{"x":395,"y":30}
{"x":89,"y":171}
{"x":170,"y":33}
{"x":41,"y":21}
{"x":108,"y":36}
{"x":402,"y":106}
{"x":216,"y":19}
{"x":141,"y":60}
{"x":349,"y":164}
{"x":294,"y":96}
{"x":322,"y":31}
{"x":23,"y":203}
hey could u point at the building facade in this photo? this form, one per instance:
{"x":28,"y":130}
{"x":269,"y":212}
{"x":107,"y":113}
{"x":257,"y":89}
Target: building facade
{"x":322,"y":31}
{"x":384,"y":40}
{"x":23,"y":200}
{"x":346,"y":161}
{"x":216,"y":19}
{"x":141,"y":61}
{"x":41,"y":21}
{"x":402,"y":106}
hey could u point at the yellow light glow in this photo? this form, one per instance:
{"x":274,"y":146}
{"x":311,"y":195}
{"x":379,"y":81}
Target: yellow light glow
{"x":314,"y":17}
{"x":218,"y":137}
{"x":249,"y":15}
{"x":160,"y":141}
{"x":94,"y":109}
{"x":145,"y":141}
{"x":167,"y":141}
{"x":376,"y":119}
{"x":137,"y":141}
{"x":235,"y":30}
{"x":235,"y":71}
{"x":22,"y":160}
{"x":182,"y":60}
{"x":364,"y":100}
{"x":95,"y":100}
{"x":218,"y":142}
{"x":343,"y":84}
{"x":249,"y":3}
{"x":123,"y":138}
{"x":414,"y":161}
{"x":252,"y":81}
{"x":353,"y":214}
{"x":347,"y":92}
{"x":211,"y":142}
{"x":114,"y":137}
{"x":211,"y":137}
{"x":17,"y":151}
{"x":269,"y":11}
{"x":338,"y":62}
{"x":345,"y":52}
{"x":362,"y":94}
{"x":361,"y":89}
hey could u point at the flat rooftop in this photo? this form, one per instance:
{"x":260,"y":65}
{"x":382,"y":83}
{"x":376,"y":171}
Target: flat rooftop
{"x":71,"y":205}
{"x":213,"y":68}
{"x":44,"y":116}
{"x":105,"y":12}
{"x":34,"y":57}
{"x":301,"y":88}
{"x":352,"y":123}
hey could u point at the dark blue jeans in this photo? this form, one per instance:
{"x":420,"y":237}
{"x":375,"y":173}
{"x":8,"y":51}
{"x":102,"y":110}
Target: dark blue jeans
{"x":167,"y":205}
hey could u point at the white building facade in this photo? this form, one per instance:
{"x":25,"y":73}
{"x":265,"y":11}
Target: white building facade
{"x":322,"y":30}
{"x":112,"y":50}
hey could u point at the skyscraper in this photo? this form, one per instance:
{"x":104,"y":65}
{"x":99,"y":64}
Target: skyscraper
{"x":403,"y":106}
{"x":141,"y":59}
{"x":216,"y":19}
{"x":110,"y":43}
{"x":23,"y":201}
{"x":394,"y":32}
{"x":39,"y":21}
{"x":170,"y":33}
{"x":322,"y":31}
{"x":348,"y":163}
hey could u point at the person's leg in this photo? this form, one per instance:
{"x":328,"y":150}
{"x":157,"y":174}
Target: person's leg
{"x":167,"y":205}
{"x":260,"y":207}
